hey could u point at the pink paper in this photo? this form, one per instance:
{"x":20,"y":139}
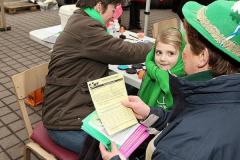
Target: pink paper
{"x":131,"y":144}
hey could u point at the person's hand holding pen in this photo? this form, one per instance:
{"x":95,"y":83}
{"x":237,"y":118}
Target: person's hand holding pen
{"x":133,"y":38}
{"x":107,"y":155}
{"x":126,"y":37}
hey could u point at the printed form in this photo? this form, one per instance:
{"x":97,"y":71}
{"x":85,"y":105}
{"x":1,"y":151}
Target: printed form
{"x":107,"y":94}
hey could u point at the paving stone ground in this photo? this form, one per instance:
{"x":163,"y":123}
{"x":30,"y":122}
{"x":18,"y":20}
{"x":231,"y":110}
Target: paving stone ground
{"x":18,"y":53}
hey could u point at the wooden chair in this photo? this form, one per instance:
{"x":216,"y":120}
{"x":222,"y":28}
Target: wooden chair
{"x":3,"y":26}
{"x":25,"y":83}
{"x":163,"y":25}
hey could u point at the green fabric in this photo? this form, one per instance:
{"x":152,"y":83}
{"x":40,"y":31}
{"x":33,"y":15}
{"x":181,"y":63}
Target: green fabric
{"x":95,"y":15}
{"x":94,"y":132}
{"x":155,"y":89}
{"x":200,"y":76}
{"x":220,"y":15}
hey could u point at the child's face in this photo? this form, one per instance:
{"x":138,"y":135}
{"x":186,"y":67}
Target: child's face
{"x":166,"y":56}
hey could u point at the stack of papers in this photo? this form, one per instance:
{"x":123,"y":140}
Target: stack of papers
{"x":127,"y":140}
{"x":112,"y":121}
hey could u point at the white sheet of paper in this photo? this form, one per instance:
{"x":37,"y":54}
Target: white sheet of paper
{"x":118,"y":138}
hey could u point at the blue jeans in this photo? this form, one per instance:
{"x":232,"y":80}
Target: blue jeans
{"x":71,"y":140}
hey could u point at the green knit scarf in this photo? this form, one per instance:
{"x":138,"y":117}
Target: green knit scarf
{"x":95,"y":15}
{"x":155,"y":89}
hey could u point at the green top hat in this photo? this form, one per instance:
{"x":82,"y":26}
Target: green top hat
{"x":217,"y":23}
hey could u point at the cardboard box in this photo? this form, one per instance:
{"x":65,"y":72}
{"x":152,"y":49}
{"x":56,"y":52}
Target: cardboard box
{"x":163,"y":25}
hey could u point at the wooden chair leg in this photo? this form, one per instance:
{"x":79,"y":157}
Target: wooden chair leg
{"x":27,"y":153}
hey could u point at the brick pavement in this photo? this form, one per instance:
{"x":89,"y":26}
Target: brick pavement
{"x":18,"y":53}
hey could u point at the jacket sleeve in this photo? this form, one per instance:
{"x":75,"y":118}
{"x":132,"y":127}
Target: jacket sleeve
{"x":162,"y":153}
{"x":116,"y":158}
{"x":100,"y":46}
{"x":157,"y":119}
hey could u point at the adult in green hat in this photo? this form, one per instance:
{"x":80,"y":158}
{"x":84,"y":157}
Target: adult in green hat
{"x":204,"y":122}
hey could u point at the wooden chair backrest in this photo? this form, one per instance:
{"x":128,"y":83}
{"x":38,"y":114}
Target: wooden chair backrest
{"x":2,"y":15}
{"x":163,"y":25}
{"x":25,"y":83}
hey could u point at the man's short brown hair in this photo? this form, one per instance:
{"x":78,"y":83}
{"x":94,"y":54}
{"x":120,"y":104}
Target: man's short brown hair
{"x":92,"y":3}
{"x":219,"y":62}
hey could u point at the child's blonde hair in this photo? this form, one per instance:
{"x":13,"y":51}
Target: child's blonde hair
{"x":171,"y":36}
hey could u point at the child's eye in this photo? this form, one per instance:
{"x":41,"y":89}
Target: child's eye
{"x":171,"y":53}
{"x":158,"y":52}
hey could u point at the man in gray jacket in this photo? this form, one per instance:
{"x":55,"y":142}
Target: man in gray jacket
{"x":82,"y":53}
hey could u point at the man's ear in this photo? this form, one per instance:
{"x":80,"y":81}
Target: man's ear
{"x":203,"y":58}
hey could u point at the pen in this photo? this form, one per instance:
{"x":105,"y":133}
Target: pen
{"x":131,"y":39}
{"x":133,"y":36}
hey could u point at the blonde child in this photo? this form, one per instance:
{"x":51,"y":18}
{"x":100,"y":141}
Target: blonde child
{"x":165,"y":57}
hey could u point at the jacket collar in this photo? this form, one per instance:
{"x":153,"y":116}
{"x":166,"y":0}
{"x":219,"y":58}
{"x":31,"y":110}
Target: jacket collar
{"x":195,"y":95}
{"x":219,"y":90}
{"x":201,"y":76}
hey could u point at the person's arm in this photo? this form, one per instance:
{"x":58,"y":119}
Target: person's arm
{"x":117,"y":157}
{"x":162,"y":152}
{"x":98,"y":45}
{"x":154,"y":117}
{"x":113,"y":50}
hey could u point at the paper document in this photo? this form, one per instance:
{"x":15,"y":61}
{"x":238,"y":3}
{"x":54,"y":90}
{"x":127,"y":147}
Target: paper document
{"x":118,"y":138}
{"x":53,"y":29}
{"x":107,"y":94}
{"x":52,"y":39}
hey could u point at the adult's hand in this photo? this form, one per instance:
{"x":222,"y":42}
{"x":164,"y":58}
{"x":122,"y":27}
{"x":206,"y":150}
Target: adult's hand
{"x":140,"y":109}
{"x":106,"y":155}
